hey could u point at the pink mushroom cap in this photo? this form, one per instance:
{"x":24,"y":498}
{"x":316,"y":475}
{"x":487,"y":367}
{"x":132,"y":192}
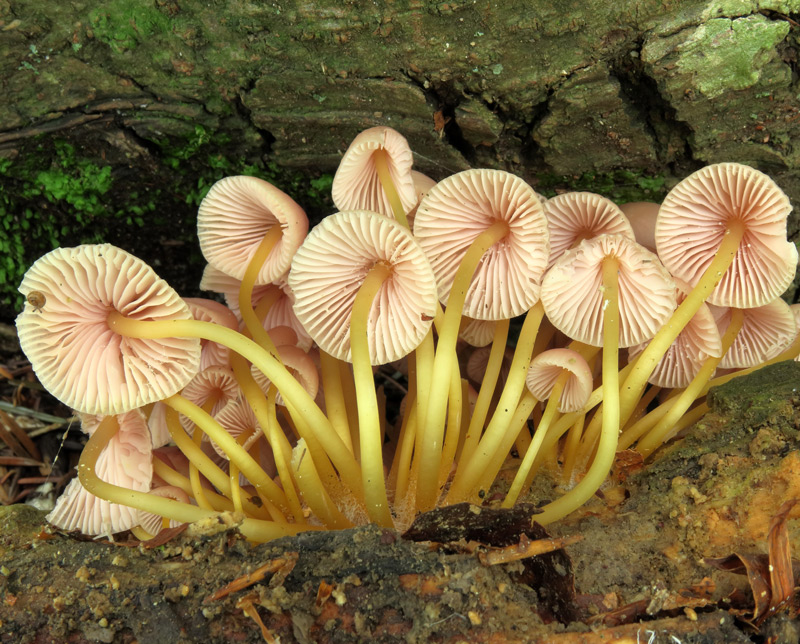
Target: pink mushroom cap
{"x":75,"y":354}
{"x":234,"y":217}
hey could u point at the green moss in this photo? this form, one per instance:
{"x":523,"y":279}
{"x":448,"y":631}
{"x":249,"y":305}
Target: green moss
{"x":41,"y":209}
{"x":621,"y":186}
{"x":122,"y":25}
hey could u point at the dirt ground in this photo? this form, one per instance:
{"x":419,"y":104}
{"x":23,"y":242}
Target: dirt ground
{"x":636,"y":566}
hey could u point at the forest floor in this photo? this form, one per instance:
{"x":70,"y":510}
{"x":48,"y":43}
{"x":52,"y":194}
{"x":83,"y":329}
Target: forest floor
{"x":692,"y":546}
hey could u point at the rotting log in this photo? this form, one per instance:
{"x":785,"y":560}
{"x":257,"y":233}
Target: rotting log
{"x":172,"y":95}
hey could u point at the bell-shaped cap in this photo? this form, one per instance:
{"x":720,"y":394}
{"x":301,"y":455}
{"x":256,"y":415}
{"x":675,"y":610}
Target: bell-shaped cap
{"x":572,"y":291}
{"x":476,"y":333}
{"x":356,"y":185}
{"x":766,"y":331}
{"x":281,"y":313}
{"x":212,"y":354}
{"x":299,"y":364}
{"x":461,"y":207}
{"x":234,"y":217}
{"x":236,"y":418}
{"x":215,"y":386}
{"x":330,"y":267}
{"x":545,"y":370}
{"x":697,"y":341}
{"x":694,"y":217}
{"x":127,"y":462}
{"x":575,"y":216}
{"x":74,"y":353}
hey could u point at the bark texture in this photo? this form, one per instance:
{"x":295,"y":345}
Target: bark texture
{"x":172,"y":95}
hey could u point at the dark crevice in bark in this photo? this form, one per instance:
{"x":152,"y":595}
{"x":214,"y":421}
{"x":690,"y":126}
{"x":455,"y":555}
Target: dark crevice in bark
{"x":444,"y":99}
{"x":641,"y":93}
{"x":530,"y":152}
{"x":245,"y":114}
{"x":789,"y":49}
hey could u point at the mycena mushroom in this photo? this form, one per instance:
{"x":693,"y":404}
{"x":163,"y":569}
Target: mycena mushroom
{"x":365,"y":292}
{"x":722,"y":230}
{"x":609,"y":292}
{"x":486,"y":235}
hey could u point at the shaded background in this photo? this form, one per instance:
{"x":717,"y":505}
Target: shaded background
{"x":114,"y":121}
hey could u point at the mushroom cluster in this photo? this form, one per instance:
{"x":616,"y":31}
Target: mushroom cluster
{"x":267,"y":406}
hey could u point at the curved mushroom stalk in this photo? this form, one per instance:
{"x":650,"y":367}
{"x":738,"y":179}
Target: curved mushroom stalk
{"x":564,"y":379}
{"x":723,"y":231}
{"x":486,"y":234}
{"x":250,"y":230}
{"x":366,"y":293}
{"x":608,"y":292}
{"x":253,"y":529}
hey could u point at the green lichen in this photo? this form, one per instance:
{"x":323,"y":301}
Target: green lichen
{"x":729,"y":55}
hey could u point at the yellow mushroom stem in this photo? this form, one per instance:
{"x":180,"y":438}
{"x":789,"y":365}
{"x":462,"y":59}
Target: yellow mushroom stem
{"x":349,"y":393}
{"x":401,"y":461}
{"x":446,"y":361}
{"x":291,"y":390}
{"x":335,"y":406}
{"x":234,"y":451}
{"x":488,"y":384}
{"x":369,"y":426}
{"x":176,"y":479}
{"x":379,"y":158}
{"x":571,"y":449}
{"x":641,"y":407}
{"x":251,"y":321}
{"x":422,"y":378}
{"x":194,"y":473}
{"x":518,"y":424}
{"x":265,"y":415}
{"x":520,"y":478}
{"x":636,"y":381}
{"x":209,"y":469}
{"x":455,"y":416}
{"x":313,"y":491}
{"x":607,"y":445}
{"x":194,"y":476}
{"x":470,"y":471}
{"x":566,"y":421}
{"x":660,"y":432}
{"x":253,"y":529}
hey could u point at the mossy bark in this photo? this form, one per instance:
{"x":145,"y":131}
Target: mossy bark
{"x":172,"y":95}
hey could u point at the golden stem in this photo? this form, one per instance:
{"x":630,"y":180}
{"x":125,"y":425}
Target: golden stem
{"x":607,"y":445}
{"x":371,"y":446}
{"x":251,"y":321}
{"x":446,"y":361}
{"x":469,"y":472}
{"x":385,"y":177}
{"x":291,"y":390}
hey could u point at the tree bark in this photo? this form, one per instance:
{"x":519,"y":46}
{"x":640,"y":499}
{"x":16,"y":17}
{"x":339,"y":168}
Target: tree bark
{"x":173,"y":95}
